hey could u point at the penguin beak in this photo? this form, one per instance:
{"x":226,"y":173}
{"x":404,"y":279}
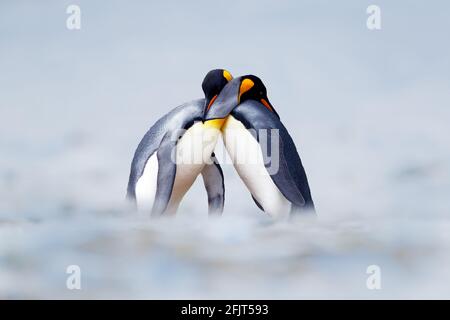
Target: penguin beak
{"x":269,"y":106}
{"x":225,"y":102}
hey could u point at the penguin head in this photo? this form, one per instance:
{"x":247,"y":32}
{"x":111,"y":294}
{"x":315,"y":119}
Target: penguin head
{"x":236,"y":91}
{"x":213,"y":83}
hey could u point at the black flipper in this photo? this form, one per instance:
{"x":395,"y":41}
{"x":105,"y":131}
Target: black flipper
{"x":214,"y":184}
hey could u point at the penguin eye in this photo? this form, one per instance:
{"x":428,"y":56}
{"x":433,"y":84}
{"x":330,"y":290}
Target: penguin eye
{"x":260,"y":93}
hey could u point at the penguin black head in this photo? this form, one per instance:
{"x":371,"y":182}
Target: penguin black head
{"x":252,"y":88}
{"x":213,"y":83}
{"x":238,"y":90}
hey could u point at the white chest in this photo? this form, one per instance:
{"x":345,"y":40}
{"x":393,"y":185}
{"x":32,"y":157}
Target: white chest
{"x":192,"y":151}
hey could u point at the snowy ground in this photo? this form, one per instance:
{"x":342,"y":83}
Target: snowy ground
{"x":369,"y":111}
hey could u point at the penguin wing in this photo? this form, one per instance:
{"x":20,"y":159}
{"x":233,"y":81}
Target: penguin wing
{"x":167,"y":170}
{"x":178,"y":118}
{"x":214,"y":184}
{"x":282,"y":163}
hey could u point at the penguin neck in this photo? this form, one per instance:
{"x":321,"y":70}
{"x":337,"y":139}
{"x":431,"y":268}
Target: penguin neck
{"x":216,"y":124}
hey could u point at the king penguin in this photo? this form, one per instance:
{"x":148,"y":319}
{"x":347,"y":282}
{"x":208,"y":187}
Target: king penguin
{"x":260,"y":147}
{"x":174,"y":151}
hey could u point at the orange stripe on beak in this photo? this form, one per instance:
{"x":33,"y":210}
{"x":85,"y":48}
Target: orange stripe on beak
{"x":264,"y":102}
{"x":211,"y":102}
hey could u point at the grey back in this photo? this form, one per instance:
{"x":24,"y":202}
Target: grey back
{"x":181,"y":117}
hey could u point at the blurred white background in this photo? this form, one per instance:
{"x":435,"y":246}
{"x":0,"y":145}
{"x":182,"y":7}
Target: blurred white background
{"x":368,"y":110}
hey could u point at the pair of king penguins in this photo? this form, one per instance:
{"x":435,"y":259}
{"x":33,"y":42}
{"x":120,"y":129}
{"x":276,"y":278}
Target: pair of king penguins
{"x":180,"y":145}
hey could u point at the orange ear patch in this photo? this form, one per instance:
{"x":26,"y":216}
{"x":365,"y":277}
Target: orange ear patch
{"x":227,"y":75}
